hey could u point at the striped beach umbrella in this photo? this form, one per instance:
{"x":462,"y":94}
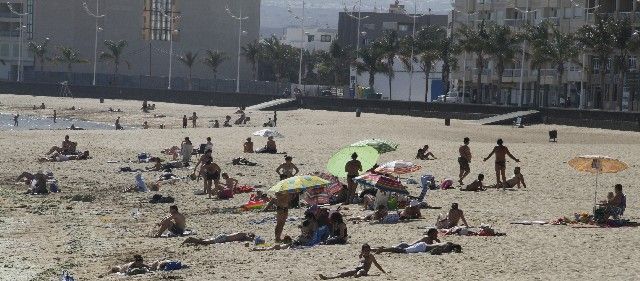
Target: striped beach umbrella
{"x":298,"y":184}
{"x":398,"y":167}
{"x":382,"y":182}
{"x":382,"y":146}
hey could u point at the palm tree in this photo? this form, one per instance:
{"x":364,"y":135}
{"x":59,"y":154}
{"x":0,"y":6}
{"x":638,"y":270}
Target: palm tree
{"x":69,"y":57}
{"x":39,"y":51}
{"x":561,"y":48}
{"x":114,"y":53}
{"x":251,"y":53}
{"x":189,"y":59}
{"x":213,"y":59}
{"x":625,"y":42}
{"x":597,"y":40}
{"x":537,"y":36}
{"x":502,"y":49}
{"x":390,"y":47}
{"x":475,"y":41}
{"x":371,"y":61}
{"x":427,"y":49}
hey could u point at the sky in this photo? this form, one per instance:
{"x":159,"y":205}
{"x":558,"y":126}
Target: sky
{"x":325,"y":12}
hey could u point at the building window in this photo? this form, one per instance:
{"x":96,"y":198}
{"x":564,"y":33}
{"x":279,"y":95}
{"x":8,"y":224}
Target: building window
{"x":158,"y":15}
{"x":325,"y":38}
{"x":403,"y":27}
{"x":633,"y":62}
{"x":311,"y":38}
{"x":4,"y":50}
{"x":389,"y":25}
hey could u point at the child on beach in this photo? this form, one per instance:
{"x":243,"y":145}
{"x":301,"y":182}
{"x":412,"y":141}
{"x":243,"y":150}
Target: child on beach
{"x":366,"y":259}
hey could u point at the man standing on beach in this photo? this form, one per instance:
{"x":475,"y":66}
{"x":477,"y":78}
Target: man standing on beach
{"x":55,"y":116}
{"x":194,"y":117}
{"x":464,"y":160}
{"x":15,"y":120}
{"x":353,"y":169}
{"x":501,"y":163}
{"x":184,"y":121}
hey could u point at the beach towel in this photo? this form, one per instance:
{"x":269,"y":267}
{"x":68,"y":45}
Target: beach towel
{"x":225,"y":194}
{"x":172,"y":265}
{"x":253,"y":205}
{"x":244,"y":189}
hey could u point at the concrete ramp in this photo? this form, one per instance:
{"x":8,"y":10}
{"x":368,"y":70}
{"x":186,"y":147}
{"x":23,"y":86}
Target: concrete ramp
{"x":529,"y":116}
{"x":271,"y":104}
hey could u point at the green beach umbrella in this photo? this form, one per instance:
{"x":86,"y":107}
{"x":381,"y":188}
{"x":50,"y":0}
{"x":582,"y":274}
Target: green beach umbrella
{"x":382,"y":146}
{"x":367,"y":155}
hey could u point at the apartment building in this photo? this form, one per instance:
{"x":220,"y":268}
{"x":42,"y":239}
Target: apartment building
{"x":148,"y":26}
{"x":568,"y":16}
{"x":313,"y":38}
{"x":16,"y":26}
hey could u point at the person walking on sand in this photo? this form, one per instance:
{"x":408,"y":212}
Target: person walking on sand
{"x":118,"y":126}
{"x":185,"y":121}
{"x":464,"y":159}
{"x":15,"y":120}
{"x":55,"y":116}
{"x":175,"y":222}
{"x":353,"y":169}
{"x":282,"y":212}
{"x":501,"y":163}
{"x":366,"y":260}
{"x":194,"y":117}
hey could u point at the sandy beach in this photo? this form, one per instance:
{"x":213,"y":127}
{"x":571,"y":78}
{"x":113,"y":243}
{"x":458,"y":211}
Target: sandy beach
{"x":42,"y":235}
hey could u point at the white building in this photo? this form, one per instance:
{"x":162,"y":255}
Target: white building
{"x":314,"y":39}
{"x":10,"y":28}
{"x":405,"y":86}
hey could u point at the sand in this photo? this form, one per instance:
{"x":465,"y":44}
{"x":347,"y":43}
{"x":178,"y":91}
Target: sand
{"x":40,"y":236}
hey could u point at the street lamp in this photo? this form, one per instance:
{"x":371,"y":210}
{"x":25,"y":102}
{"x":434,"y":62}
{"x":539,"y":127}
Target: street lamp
{"x":20,"y":15}
{"x":97,"y":16}
{"x":413,"y":38}
{"x":302,"y":39}
{"x":167,"y":15}
{"x":359,"y":17}
{"x":239,"y":18}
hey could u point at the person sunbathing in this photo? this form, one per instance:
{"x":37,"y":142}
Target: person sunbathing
{"x":516,"y":180}
{"x":452,"y":219}
{"x":58,"y":157}
{"x":222,"y":238}
{"x":286,"y":243}
{"x":411,"y":212}
{"x":366,"y":260}
{"x":173,"y":151}
{"x":422,"y":247}
{"x":338,"y":229}
{"x":476,"y":185}
{"x":157,"y":166}
{"x":67,"y":147}
{"x":269,"y":148}
{"x":37,"y":182}
{"x":175,"y":222}
{"x":429,"y":239}
{"x":229,"y":182}
{"x":424,"y":153}
{"x":136,"y":264}
{"x":248,"y":146}
{"x":380,"y":213}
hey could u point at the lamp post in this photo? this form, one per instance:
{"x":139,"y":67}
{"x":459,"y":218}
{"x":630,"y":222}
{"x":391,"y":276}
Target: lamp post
{"x":20,"y":15}
{"x":359,"y":18}
{"x":239,"y":18}
{"x":413,"y":38}
{"x":97,"y":16}
{"x":302,"y":39}
{"x":168,"y":16}
{"x":524,"y":43}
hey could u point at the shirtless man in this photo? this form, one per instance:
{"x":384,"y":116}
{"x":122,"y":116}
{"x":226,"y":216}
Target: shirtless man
{"x":175,"y":222}
{"x":353,"y":169}
{"x":464,"y":160}
{"x":137,"y":263}
{"x":65,"y":148}
{"x":429,"y":239}
{"x":366,"y":260}
{"x":222,"y":238}
{"x":282,"y":212}
{"x":452,"y":219}
{"x":248,"y":146}
{"x":476,"y":185}
{"x":501,"y":163}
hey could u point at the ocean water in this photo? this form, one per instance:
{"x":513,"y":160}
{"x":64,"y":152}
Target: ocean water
{"x":26,"y":122}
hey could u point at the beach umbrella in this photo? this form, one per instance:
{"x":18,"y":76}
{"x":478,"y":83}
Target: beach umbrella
{"x":382,"y":182}
{"x":268,"y":133}
{"x":367,"y":156}
{"x":382,"y":146}
{"x":597,"y":164}
{"x":398,"y":167}
{"x":319,"y":196}
{"x":298,"y":184}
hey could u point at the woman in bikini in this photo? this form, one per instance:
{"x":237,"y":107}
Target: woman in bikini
{"x":287,"y":169}
{"x":282,"y":212}
{"x":211,"y":173}
{"x":366,"y":259}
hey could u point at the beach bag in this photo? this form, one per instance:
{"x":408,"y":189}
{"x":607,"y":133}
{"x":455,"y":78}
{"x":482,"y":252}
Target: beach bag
{"x":172,"y":265}
{"x":140,"y":185}
{"x":446,"y":184}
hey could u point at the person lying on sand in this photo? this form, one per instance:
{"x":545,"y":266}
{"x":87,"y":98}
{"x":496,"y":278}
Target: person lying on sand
{"x":58,"y":157}
{"x":516,"y":180}
{"x":222,"y":238}
{"x":452,"y":219}
{"x":412,"y":211}
{"x":157,"y":166}
{"x":175,"y":222}
{"x":173,"y":151}
{"x":429,"y":239}
{"x":366,"y":259}
{"x":422,"y":247}
{"x":40,"y":181}
{"x":476,"y":185}
{"x":137,"y":263}
{"x":378,"y":215}
{"x":67,"y":147}
{"x":286,"y":243}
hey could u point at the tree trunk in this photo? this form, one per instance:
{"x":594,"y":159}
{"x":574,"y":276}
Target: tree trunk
{"x":427,"y":73}
{"x":499,"y":85}
{"x":390,"y":80}
{"x":559,"y":87}
{"x":480,"y":65}
{"x":536,"y":98}
{"x":190,"y":86}
{"x":372,"y":79}
{"x":621,"y":83}
{"x":41,"y":64}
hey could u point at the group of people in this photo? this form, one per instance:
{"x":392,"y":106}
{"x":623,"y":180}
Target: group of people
{"x":270,"y":147}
